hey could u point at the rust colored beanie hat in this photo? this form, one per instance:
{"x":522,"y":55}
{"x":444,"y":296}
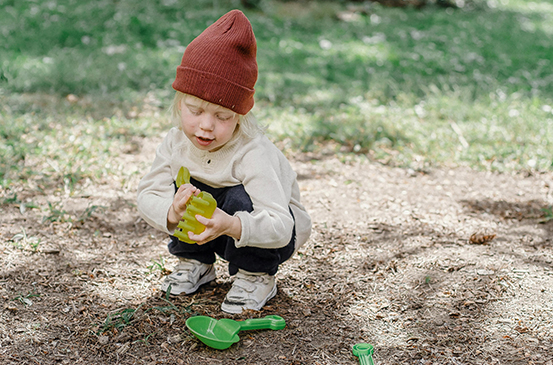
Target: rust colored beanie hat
{"x":220,"y":65}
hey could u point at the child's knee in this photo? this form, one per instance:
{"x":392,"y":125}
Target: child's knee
{"x":236,"y":200}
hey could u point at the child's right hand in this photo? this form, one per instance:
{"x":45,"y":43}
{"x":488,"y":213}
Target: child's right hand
{"x":178,"y":208}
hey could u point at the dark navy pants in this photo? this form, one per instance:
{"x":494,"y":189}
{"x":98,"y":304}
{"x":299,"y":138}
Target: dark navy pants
{"x":253,"y":259}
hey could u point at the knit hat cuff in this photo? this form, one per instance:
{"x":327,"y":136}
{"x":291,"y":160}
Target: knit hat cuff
{"x":215,"y":89}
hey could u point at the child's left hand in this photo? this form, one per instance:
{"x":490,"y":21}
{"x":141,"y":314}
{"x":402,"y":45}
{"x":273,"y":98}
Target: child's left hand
{"x":220,"y":224}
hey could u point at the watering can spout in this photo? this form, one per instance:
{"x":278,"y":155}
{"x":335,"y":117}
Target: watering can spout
{"x":364,"y":352}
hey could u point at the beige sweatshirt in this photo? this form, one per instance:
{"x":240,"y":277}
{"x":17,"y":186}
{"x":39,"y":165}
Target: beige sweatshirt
{"x":256,"y":163}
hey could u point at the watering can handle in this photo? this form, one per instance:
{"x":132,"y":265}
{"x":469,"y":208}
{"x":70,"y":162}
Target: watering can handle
{"x":268,"y":322}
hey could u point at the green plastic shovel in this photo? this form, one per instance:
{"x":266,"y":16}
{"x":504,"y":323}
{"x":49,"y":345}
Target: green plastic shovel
{"x":221,"y":334}
{"x":364,"y":352}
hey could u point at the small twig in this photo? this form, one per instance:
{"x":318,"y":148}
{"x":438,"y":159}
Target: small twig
{"x":324,"y":204}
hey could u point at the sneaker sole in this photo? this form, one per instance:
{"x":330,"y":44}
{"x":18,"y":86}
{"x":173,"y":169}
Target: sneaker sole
{"x":208,"y":277}
{"x":237,"y":310}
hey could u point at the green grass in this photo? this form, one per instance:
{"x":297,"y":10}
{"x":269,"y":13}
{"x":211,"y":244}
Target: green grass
{"x":118,"y":320}
{"x":26,"y":299}
{"x":408,"y":87}
{"x":24,"y":242}
{"x":396,"y":81}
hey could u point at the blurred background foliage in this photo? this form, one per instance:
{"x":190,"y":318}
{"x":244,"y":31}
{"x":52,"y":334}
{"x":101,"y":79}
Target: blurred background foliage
{"x":400,"y":82}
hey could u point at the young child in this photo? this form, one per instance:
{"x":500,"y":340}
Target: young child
{"x":259,"y":221}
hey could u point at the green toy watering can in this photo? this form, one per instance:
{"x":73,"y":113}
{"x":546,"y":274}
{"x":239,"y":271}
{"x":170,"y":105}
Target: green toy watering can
{"x":204,"y":204}
{"x":364,"y":352}
{"x":221,"y":334}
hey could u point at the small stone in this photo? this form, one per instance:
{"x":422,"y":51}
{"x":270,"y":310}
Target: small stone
{"x":484,"y":272}
{"x":11,"y":307}
{"x":174,"y":339}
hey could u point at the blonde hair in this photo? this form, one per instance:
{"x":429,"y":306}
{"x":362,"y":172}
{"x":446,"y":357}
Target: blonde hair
{"x":248,"y":124}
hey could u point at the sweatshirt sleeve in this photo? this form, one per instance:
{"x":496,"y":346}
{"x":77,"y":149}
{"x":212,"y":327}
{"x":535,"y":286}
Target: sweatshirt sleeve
{"x":268,"y":179}
{"x":156,"y":189}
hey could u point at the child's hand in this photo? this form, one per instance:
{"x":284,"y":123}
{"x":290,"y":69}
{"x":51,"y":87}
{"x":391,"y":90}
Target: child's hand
{"x":220,"y":224}
{"x":178,"y":208}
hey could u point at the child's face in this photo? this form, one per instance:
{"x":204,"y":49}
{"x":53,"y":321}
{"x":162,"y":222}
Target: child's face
{"x":208,"y":126}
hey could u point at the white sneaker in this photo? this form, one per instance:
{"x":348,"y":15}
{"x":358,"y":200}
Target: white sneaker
{"x":188,"y":276}
{"x":249,"y":291}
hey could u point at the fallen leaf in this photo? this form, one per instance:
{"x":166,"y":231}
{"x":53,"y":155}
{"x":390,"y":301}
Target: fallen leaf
{"x":520,"y":329}
{"x":481,"y":238}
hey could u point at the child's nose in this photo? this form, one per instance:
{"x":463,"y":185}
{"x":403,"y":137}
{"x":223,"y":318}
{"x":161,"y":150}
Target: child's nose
{"x":207,"y":123}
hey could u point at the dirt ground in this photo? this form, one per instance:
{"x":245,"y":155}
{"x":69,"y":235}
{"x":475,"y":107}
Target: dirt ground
{"x":390,"y":262}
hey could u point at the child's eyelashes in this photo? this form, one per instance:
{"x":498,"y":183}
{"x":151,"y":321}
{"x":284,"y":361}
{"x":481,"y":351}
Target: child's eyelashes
{"x":198,"y":110}
{"x":221,"y":117}
{"x":224,"y":117}
{"x":194,"y":111}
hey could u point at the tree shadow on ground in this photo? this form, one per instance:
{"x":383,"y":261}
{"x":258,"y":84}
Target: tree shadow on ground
{"x":530,"y":212}
{"x":446,"y":307}
{"x":519,"y":210}
{"x":414,"y":290}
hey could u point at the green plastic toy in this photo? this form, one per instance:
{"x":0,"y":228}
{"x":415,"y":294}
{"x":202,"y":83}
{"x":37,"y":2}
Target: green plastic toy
{"x":204,"y":204}
{"x":221,"y":334}
{"x":364,"y":352}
